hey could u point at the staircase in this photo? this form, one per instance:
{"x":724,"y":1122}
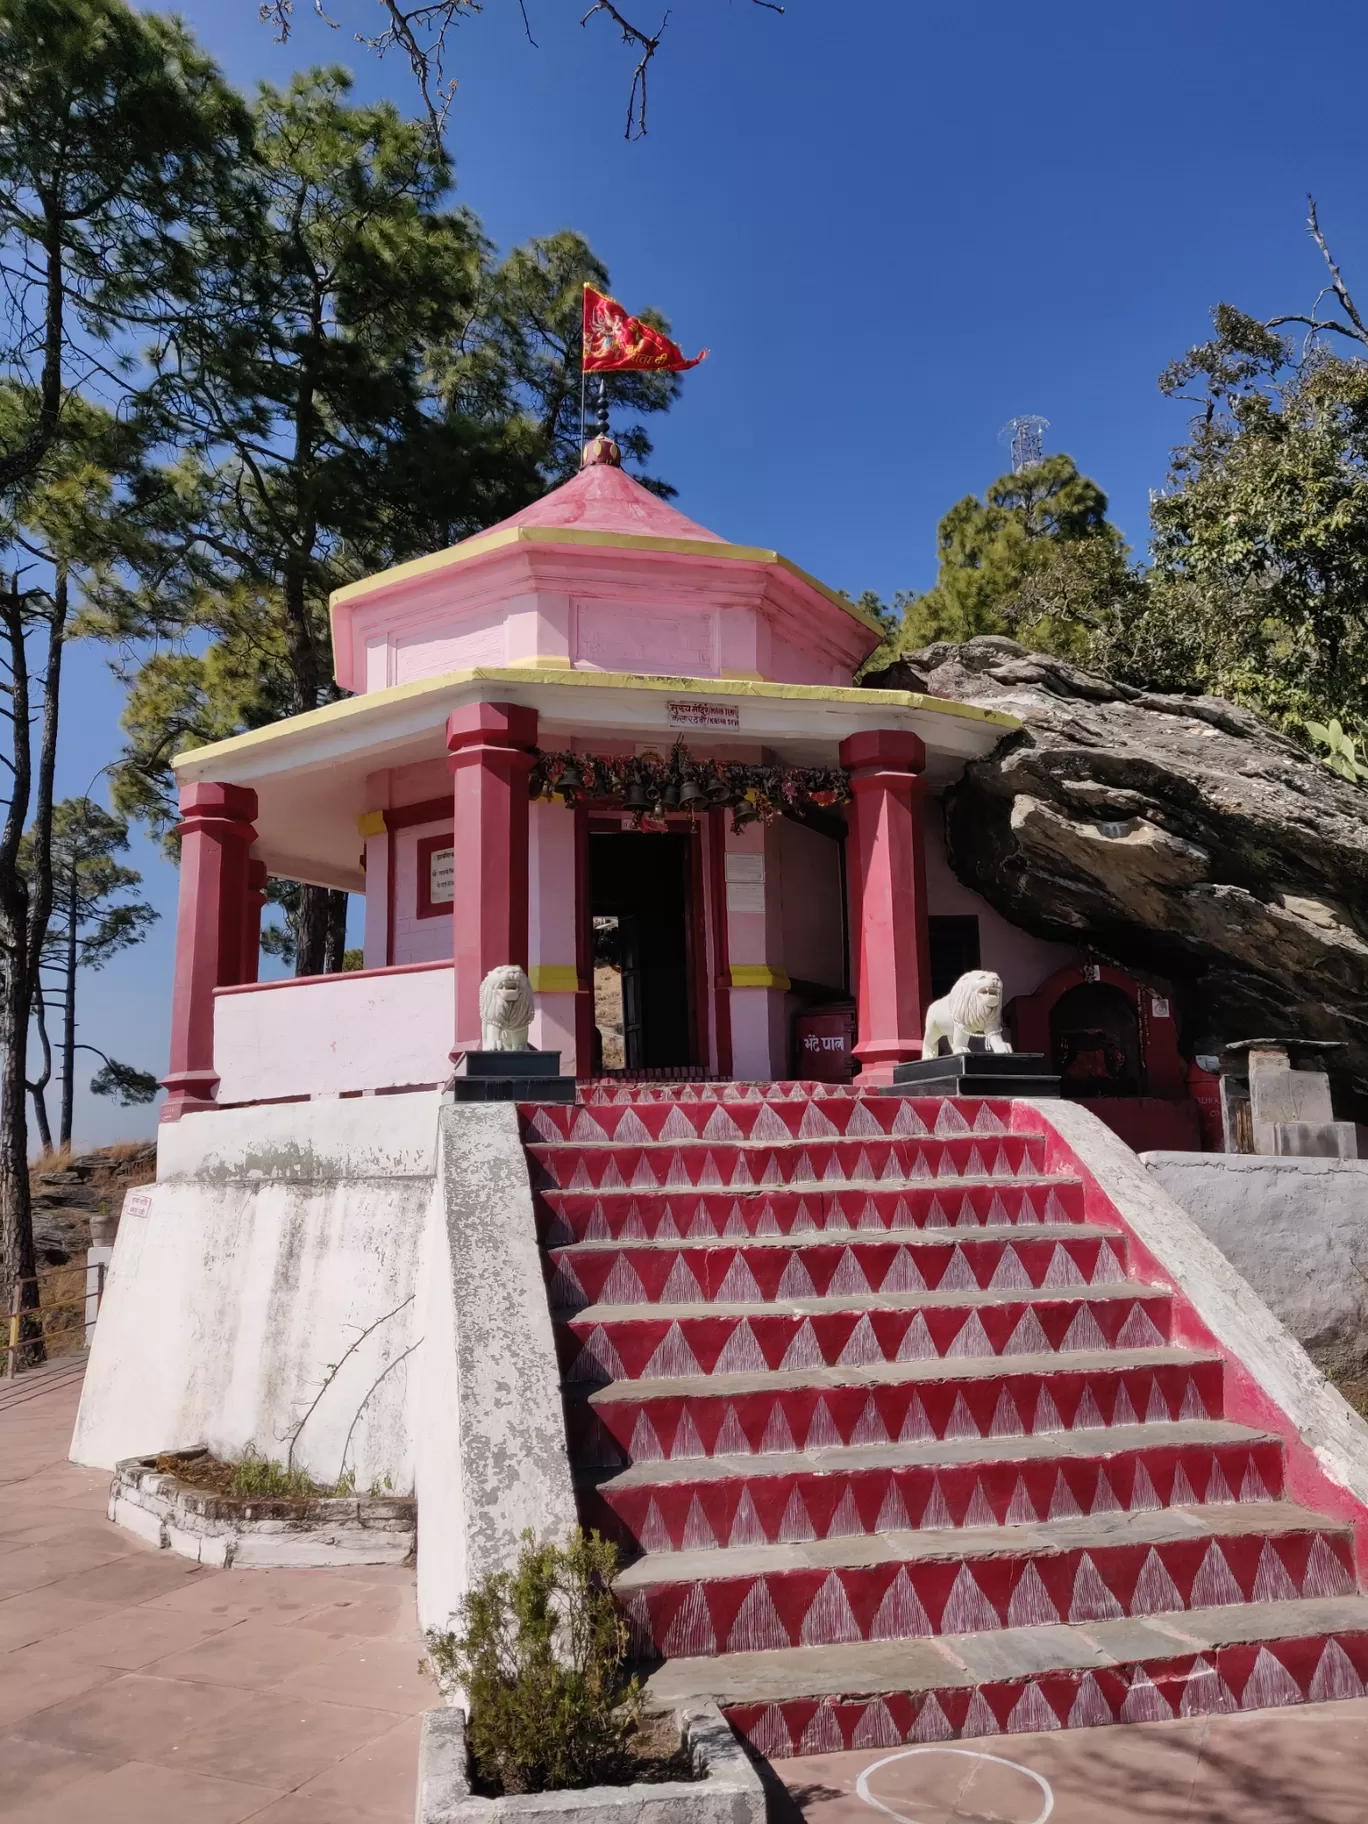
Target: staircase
{"x":898,"y":1445}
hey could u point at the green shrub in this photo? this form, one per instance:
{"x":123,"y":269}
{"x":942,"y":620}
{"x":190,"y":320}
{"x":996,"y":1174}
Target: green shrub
{"x":541,"y":1657}
{"x":258,"y":1475}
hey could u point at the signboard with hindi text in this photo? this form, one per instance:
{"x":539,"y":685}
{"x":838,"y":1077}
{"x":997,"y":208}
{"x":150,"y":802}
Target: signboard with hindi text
{"x":693,"y":714}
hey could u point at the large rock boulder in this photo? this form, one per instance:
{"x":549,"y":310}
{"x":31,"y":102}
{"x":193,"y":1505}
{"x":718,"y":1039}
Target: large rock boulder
{"x":1177,"y":835}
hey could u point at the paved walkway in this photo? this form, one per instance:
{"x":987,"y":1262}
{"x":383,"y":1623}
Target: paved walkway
{"x":1302,"y":1766}
{"x":137,"y":1686}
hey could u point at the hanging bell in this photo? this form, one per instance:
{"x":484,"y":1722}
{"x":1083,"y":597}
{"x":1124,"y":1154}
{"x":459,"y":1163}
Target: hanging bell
{"x":635,"y":797}
{"x":570,"y":782}
{"x":691,"y":794}
{"x":670,"y":796}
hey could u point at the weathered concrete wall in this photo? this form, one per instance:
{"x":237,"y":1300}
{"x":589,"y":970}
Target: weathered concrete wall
{"x":488,"y":1380}
{"x":272,"y":1240}
{"x":1297,"y":1229}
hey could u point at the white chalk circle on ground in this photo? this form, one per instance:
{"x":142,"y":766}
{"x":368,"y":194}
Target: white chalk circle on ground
{"x":971,"y":1754}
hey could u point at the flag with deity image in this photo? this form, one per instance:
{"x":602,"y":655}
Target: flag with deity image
{"x":615,"y":343}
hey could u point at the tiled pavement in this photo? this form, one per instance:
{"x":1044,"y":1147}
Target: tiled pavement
{"x":1302,"y":1766}
{"x":137,"y":1686}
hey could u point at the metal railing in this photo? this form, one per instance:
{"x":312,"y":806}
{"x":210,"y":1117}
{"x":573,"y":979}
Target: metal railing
{"x":20,"y":1314}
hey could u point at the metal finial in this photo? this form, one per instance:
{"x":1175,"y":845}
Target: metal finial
{"x":603,"y":407}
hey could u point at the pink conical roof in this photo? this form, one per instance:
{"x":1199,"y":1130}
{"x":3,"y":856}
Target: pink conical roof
{"x":602,"y":498}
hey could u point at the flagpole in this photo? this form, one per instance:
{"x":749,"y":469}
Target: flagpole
{"x":581,"y":401}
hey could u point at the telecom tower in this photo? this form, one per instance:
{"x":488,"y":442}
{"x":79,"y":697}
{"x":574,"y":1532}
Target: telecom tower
{"x":1025,"y":436}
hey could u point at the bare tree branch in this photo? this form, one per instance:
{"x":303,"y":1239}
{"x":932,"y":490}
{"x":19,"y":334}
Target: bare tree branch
{"x":1356,"y":329}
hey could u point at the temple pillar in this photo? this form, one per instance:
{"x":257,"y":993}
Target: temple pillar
{"x":216,"y":832}
{"x":886,"y":874}
{"x":492,"y":747}
{"x":253,"y":903}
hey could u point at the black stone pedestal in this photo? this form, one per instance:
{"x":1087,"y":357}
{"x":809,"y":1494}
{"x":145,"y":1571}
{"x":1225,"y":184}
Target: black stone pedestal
{"x":975,"y":1073}
{"x":511,"y":1076}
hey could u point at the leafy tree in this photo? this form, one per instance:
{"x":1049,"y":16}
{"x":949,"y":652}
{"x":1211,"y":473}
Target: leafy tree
{"x":1036,"y":558}
{"x":93,"y":918}
{"x":1260,"y":547}
{"x":114,"y":129}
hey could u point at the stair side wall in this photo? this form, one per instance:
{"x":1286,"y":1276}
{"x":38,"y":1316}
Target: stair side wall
{"x":1270,"y":1380}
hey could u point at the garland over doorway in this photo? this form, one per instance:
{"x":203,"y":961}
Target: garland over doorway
{"x":648,"y":788}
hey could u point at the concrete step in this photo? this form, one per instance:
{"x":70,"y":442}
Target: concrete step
{"x":651,"y":1342}
{"x":813,"y":1163}
{"x":797,"y":1266}
{"x":875,"y":1694}
{"x":961,"y":1399}
{"x":907,"y":1584}
{"x":772,"y":1123}
{"x":625,"y":1214}
{"x":667,"y":1506}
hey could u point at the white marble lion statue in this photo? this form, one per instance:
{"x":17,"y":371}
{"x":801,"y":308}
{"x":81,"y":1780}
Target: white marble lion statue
{"x":972,"y":1007}
{"x":506,"y":1009}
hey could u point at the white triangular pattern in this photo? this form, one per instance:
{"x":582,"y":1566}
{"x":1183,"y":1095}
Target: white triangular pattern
{"x":771,"y":1126}
{"x":598,"y":1360}
{"x":958,"y":1275}
{"x":710,"y":1178}
{"x":804,"y":1351}
{"x":1021,"y":1509}
{"x":1123,"y":1413}
{"x":932,"y":1724}
{"x":1270,"y":1684}
{"x":936,"y":1514}
{"x":949,"y":1120}
{"x":1213,"y":1587}
{"x":1009,"y":1275}
{"x":1104,"y":1497}
{"x":687,"y":1442}
{"x":741,"y":1174}
{"x":580,"y":1179}
{"x":907,"y":1123}
{"x":585,"y":1128}
{"x":1062,"y":1271}
{"x":739,"y":1284}
{"x":645,"y":1446}
{"x":946,"y":1167}
{"x":822,"y":1432}
{"x":690,"y":1633}
{"x":720,"y":1126}
{"x":769,"y":1222}
{"x":643,"y":1178}
{"x":631,"y":1130}
{"x":986,"y":1122}
{"x":1063,"y":1503}
{"x":1182,"y":1494}
{"x":967,"y":1216}
{"x":903,"y":1274}
{"x":869,"y":1427}
{"x":677,"y":1173}
{"x":758,"y":1627}
{"x":876,"y":1728}
{"x":1006,"y":1419}
{"x":1325,"y":1575}
{"x":1193,"y":1406}
{"x":862,"y":1125}
{"x":1144,"y":1496}
{"x":731,"y":1437}
{"x":900,"y":1614}
{"x":1157,"y":1410}
{"x":967,"y":1609}
{"x":701,"y":1226}
{"x":672,"y":1358}
{"x":633,"y":1228}
{"x":1047,"y":1417}
{"x":1027,"y":1215}
{"x":778,"y":1438}
{"x":1252,"y":1484}
{"x":936,"y":1217}
{"x":796,"y":1281}
{"x":803,"y":1221}
{"x":677,"y":1126}
{"x":745,"y":1527}
{"x":623,"y":1285}
{"x":849,"y":1276}
{"x":543,"y":1126}
{"x":1334,"y":1677}
{"x":846,"y":1523}
{"x":835,"y":1172}
{"x":823,"y":1732}
{"x":1088,"y":1415}
{"x":735,"y":1227}
{"x":565,"y":1293}
{"x":796,"y":1525}
{"x":916,"y":1345}
{"x":870,"y":1218}
{"x":698,"y":1533}
{"x":1090,"y":1707}
{"x":667,"y":1229}
{"x":916,"y":1427}
{"x":1205,"y":1692}
{"x":741,"y":1354}
{"x":861,"y":1346}
{"x":681,"y":1285}
{"x":1139,"y":1331}
{"x":1155,"y":1591}
{"x":979,"y":1512}
{"x":1144,"y":1703}
{"x":1092,"y":1600}
{"x":961,"y":1423}
{"x":1028,"y":1338}
{"x":1084,"y":1334}
{"x":815,"y":1125}
{"x":836,"y":1220}
{"x":1107,"y":1268}
{"x":971,"y":1342}
{"x":893,"y":1516}
{"x":1031,"y":1713}
{"x":1218,"y":1491}
{"x":654,"y":1534}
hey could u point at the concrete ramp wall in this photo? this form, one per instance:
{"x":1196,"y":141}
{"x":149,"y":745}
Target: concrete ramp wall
{"x":361,"y":1276}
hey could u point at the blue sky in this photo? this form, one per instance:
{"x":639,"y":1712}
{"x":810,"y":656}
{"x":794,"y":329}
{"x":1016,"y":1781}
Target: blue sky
{"x":895,"y":225}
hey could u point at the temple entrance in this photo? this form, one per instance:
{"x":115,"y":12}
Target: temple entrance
{"x":641,"y":902}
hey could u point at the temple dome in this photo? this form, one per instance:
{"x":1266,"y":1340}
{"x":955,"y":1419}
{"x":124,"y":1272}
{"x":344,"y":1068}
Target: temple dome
{"x":604,"y":498}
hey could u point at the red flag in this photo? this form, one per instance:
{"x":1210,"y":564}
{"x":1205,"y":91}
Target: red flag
{"x":615,"y":343}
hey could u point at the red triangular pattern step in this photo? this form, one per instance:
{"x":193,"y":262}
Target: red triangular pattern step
{"x":847,"y":1373}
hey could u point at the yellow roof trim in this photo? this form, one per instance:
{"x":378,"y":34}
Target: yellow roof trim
{"x":485,"y":542}
{"x":352,"y":708}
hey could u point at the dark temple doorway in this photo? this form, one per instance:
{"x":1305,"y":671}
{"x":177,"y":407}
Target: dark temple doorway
{"x":640,"y":900}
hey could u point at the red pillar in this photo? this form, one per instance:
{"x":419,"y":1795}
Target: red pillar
{"x":492,"y":748}
{"x":216,"y":836}
{"x":252,"y":903}
{"x":886,"y":872}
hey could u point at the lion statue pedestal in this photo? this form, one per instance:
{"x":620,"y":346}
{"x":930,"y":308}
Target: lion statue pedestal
{"x":971,"y":1011}
{"x":506,"y":1068}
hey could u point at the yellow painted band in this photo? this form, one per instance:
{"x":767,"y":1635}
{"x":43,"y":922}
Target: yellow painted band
{"x":371,"y":823}
{"x":758,"y":975}
{"x":554,"y":978}
{"x":376,"y":701}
